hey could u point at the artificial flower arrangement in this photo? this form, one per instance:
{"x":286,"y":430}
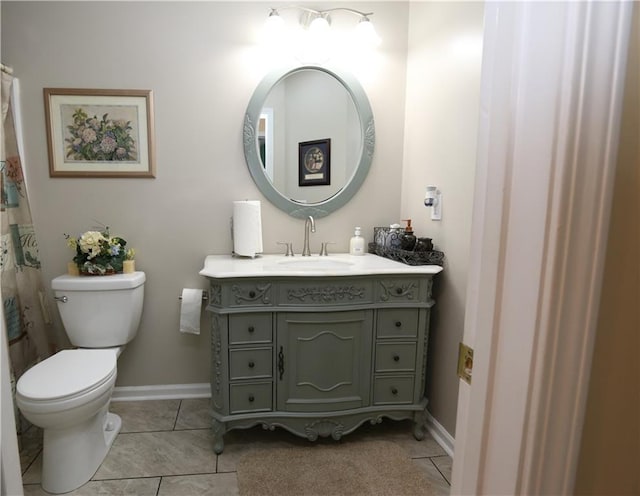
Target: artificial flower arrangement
{"x":98,"y":253}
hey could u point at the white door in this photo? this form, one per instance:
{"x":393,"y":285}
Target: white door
{"x":550,"y":110}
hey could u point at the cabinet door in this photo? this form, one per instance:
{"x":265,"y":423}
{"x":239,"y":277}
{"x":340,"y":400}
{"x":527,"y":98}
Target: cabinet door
{"x":323,"y":360}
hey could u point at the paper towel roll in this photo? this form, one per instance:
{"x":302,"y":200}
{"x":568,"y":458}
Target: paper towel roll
{"x":190,"y":310}
{"x":247,"y":228}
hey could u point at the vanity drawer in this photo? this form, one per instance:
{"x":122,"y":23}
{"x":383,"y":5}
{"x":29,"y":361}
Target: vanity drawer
{"x":250,"y":328}
{"x":399,"y":290}
{"x":332,"y":292}
{"x":251,"y":397}
{"x":250,"y":363}
{"x":397,"y":323}
{"x":393,"y":390}
{"x":249,"y":294}
{"x":395,"y":357}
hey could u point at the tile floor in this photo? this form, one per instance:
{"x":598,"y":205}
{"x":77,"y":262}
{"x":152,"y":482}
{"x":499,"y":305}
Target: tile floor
{"x":164,"y":449}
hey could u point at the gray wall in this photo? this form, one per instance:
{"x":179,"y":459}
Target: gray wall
{"x":201,"y":62}
{"x":198,"y":59}
{"x":443,"y":92}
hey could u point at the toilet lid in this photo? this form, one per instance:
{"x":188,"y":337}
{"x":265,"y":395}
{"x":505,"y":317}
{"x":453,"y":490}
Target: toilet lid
{"x":67,"y":373}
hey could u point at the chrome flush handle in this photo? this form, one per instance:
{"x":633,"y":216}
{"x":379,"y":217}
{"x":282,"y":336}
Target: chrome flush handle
{"x":63,"y":299}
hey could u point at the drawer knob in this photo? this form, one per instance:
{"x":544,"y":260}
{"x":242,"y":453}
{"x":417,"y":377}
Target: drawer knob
{"x":398,"y":323}
{"x":251,"y":329}
{"x":251,"y":364}
{"x":251,"y":398}
{"x":252,"y":294}
{"x":394,"y":391}
{"x":399,"y":291}
{"x":396,"y":358}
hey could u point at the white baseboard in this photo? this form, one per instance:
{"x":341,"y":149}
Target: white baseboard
{"x":440,"y":434}
{"x":203,"y":390}
{"x":161,"y":392}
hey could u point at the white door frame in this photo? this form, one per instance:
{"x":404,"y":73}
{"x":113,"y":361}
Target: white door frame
{"x":551,"y":96}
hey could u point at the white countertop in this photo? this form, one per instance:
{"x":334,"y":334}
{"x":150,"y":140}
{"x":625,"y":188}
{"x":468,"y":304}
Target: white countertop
{"x":341,"y":264}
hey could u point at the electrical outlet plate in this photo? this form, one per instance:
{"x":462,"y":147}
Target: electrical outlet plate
{"x":465,"y":362}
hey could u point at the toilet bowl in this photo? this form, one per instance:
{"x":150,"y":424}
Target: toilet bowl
{"x":68,"y":394}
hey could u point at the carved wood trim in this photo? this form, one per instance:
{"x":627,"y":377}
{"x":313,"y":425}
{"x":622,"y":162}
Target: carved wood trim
{"x":326,"y":293}
{"x":215,"y":294}
{"x":406,"y":290}
{"x":249,"y":131}
{"x":216,"y":355}
{"x":247,"y":295}
{"x":324,"y":428}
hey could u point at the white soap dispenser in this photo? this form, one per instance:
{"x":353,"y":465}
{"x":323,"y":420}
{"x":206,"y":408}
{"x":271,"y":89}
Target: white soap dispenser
{"x":356,"y":245}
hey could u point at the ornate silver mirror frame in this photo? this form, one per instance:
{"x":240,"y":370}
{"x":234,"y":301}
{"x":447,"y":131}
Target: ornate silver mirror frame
{"x":254,"y":162}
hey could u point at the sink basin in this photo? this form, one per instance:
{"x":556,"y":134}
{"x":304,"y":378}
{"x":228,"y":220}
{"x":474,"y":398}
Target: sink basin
{"x":307,"y":263}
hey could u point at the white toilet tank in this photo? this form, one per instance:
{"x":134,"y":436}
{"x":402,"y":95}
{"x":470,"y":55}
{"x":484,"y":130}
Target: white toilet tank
{"x":100,"y":311}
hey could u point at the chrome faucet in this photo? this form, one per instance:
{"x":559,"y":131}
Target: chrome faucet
{"x":306,"y":252}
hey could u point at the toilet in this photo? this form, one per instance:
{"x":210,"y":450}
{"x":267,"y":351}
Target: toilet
{"x":68,"y":394}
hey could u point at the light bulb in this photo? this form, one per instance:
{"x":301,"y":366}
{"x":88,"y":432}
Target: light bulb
{"x":273,"y":26}
{"x":319,"y":25}
{"x":366,"y":33}
{"x":316,"y":46}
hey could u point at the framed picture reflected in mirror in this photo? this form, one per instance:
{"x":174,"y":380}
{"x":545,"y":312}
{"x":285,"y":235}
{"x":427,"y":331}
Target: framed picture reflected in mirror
{"x":314,"y":162}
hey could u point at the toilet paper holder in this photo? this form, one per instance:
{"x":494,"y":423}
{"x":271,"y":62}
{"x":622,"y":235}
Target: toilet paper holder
{"x":204,"y":297}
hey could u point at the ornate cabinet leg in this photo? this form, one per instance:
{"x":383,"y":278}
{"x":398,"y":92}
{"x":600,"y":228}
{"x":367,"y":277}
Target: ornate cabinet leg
{"x":419,"y":424}
{"x":218,"y":430}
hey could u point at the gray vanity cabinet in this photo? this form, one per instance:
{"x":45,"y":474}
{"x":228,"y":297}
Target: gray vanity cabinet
{"x":324,"y":360}
{"x":318,"y":356}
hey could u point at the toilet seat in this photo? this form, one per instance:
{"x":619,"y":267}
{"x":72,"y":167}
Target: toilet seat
{"x":68,"y":374}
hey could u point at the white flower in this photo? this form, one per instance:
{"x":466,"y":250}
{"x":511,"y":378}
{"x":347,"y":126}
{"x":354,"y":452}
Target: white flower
{"x":90,"y":243}
{"x":89,"y":135}
{"x":108,"y":144}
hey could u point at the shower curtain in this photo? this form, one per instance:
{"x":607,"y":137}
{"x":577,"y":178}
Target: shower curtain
{"x":23,"y":298}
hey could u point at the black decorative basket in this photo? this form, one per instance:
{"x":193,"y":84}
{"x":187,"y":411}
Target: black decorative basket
{"x":387,"y":244}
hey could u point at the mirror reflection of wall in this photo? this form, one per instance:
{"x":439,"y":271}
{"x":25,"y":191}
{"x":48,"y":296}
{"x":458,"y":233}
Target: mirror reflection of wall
{"x":308,"y":105}
{"x":265,"y":141}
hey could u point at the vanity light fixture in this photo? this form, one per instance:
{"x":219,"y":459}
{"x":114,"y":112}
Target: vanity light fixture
{"x":366,"y":33}
{"x":319,"y":22}
{"x":274,"y":22}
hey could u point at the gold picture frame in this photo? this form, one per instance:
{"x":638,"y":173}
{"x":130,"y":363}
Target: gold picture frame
{"x":100,"y":133}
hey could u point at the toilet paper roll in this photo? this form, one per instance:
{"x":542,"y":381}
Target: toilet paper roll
{"x":190,"y":310}
{"x":247,"y":228}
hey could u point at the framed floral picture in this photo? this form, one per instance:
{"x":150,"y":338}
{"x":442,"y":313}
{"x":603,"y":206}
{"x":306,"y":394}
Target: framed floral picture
{"x":99,"y":133}
{"x":314,"y":163}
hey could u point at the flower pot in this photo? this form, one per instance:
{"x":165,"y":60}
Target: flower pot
{"x":128,"y":266}
{"x":89,"y":269}
{"x":108,"y":272}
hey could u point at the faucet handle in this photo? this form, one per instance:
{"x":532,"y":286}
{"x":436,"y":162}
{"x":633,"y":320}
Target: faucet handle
{"x":289,"y":248}
{"x":323,"y":249}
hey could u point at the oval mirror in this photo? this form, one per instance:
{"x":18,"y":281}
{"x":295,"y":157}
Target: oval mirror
{"x":308,"y":139}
